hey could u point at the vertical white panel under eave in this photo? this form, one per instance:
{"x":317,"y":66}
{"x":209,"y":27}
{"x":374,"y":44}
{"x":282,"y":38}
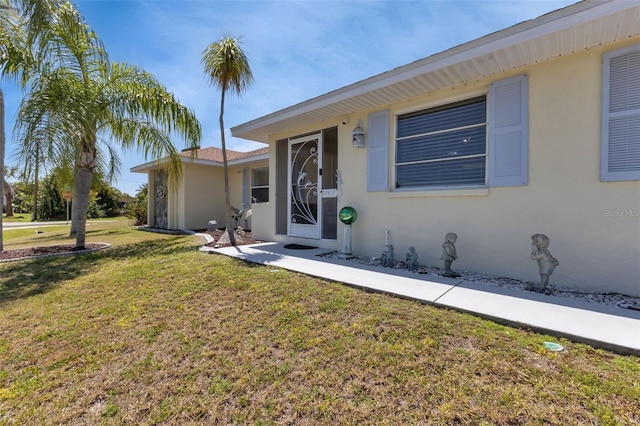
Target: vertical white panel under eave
{"x":509,"y":132}
{"x":378,"y":151}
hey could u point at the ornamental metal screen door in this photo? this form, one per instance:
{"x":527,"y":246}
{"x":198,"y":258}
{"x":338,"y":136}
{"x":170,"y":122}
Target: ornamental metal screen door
{"x":305,"y":182}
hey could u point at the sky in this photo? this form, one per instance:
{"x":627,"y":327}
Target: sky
{"x":297,"y":50}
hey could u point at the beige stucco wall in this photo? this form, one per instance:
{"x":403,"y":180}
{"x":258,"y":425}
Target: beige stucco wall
{"x":263,"y":225}
{"x":594,"y":227}
{"x":199,"y":197}
{"x":236,"y":174}
{"x":203,"y":196}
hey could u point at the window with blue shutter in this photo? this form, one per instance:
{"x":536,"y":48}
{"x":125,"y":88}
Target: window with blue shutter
{"x":471,"y":143}
{"x":620,"y":158}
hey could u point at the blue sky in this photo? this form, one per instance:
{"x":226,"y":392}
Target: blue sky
{"x":297,"y":49}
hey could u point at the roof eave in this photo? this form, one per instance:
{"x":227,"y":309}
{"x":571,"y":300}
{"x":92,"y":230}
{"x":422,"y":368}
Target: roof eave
{"x":158,"y":164}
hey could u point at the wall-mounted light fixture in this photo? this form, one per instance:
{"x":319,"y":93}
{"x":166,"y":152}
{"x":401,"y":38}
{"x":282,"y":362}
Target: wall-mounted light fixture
{"x":358,"y":135}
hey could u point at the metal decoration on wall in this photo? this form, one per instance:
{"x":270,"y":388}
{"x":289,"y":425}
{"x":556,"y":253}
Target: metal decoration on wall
{"x":161,"y":206}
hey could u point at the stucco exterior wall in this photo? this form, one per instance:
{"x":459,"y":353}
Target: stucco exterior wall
{"x":263,"y":224}
{"x":594,"y":226}
{"x":203,"y":196}
{"x":235,"y":183}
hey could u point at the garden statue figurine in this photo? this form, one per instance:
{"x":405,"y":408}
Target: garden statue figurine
{"x":546,"y":262}
{"x":388,"y":257}
{"x":412,"y":259}
{"x":449,"y":254}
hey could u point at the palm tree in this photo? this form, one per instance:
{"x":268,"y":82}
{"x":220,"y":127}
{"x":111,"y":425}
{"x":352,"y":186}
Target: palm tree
{"x":23,"y":26}
{"x":82,"y":107}
{"x":5,"y":28}
{"x":227,"y":68}
{"x":2,"y":143}
{"x":12,"y":63}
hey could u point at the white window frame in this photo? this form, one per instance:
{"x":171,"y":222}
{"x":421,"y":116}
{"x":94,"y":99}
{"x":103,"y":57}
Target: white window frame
{"x":253,"y":186}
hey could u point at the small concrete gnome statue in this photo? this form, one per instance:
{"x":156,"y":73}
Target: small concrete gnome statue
{"x":546,"y":262}
{"x":411,"y":259}
{"x":449,"y":254}
{"x":388,"y":257}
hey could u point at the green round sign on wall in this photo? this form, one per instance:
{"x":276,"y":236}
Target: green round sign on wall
{"x":348,"y":215}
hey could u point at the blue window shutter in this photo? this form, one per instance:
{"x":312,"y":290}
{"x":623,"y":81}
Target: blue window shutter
{"x":509,"y":132}
{"x":378,"y":151}
{"x":620,"y":157}
{"x":245,"y":187}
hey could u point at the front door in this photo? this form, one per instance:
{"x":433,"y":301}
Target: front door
{"x":305,"y":183}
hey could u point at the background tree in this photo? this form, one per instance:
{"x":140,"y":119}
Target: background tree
{"x":81,"y":106}
{"x":138,"y":210}
{"x":8,"y":195}
{"x":8,"y":191}
{"x":21,"y":197}
{"x":227,"y":68}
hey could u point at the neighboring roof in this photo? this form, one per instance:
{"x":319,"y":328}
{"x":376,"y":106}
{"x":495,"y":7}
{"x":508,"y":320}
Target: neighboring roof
{"x":575,"y":28}
{"x":215,"y":154}
{"x":211,"y":156}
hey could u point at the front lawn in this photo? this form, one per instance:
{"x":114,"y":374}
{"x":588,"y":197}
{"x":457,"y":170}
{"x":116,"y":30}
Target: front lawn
{"x":151,"y":330}
{"x":17,"y":217}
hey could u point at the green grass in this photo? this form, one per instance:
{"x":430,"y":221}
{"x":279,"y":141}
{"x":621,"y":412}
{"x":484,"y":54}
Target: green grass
{"x":17,"y":217}
{"x":152,"y":331}
{"x":50,"y":235}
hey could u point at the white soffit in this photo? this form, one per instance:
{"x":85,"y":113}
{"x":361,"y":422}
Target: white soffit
{"x":563,"y":32}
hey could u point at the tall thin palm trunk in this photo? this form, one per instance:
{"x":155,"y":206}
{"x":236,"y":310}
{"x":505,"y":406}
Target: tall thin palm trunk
{"x":2,"y":142}
{"x":7,"y":198}
{"x":34,"y":212}
{"x":227,"y":197}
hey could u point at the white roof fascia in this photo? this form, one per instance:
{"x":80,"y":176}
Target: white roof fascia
{"x":150,"y":165}
{"x":245,"y":160}
{"x":156,"y":164}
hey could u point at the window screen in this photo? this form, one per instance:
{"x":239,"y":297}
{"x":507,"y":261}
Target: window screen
{"x":444,"y":146}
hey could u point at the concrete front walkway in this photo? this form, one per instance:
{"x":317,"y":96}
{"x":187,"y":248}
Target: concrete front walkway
{"x":602,"y":326}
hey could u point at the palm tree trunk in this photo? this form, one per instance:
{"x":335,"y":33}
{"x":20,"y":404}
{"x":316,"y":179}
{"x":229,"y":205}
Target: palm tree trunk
{"x":2,"y":141}
{"x":81,"y":189}
{"x":7,"y":198}
{"x":227,"y":197}
{"x":34,"y":212}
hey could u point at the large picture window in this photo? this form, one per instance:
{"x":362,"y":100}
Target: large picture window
{"x":443,"y":147}
{"x":260,"y":185}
